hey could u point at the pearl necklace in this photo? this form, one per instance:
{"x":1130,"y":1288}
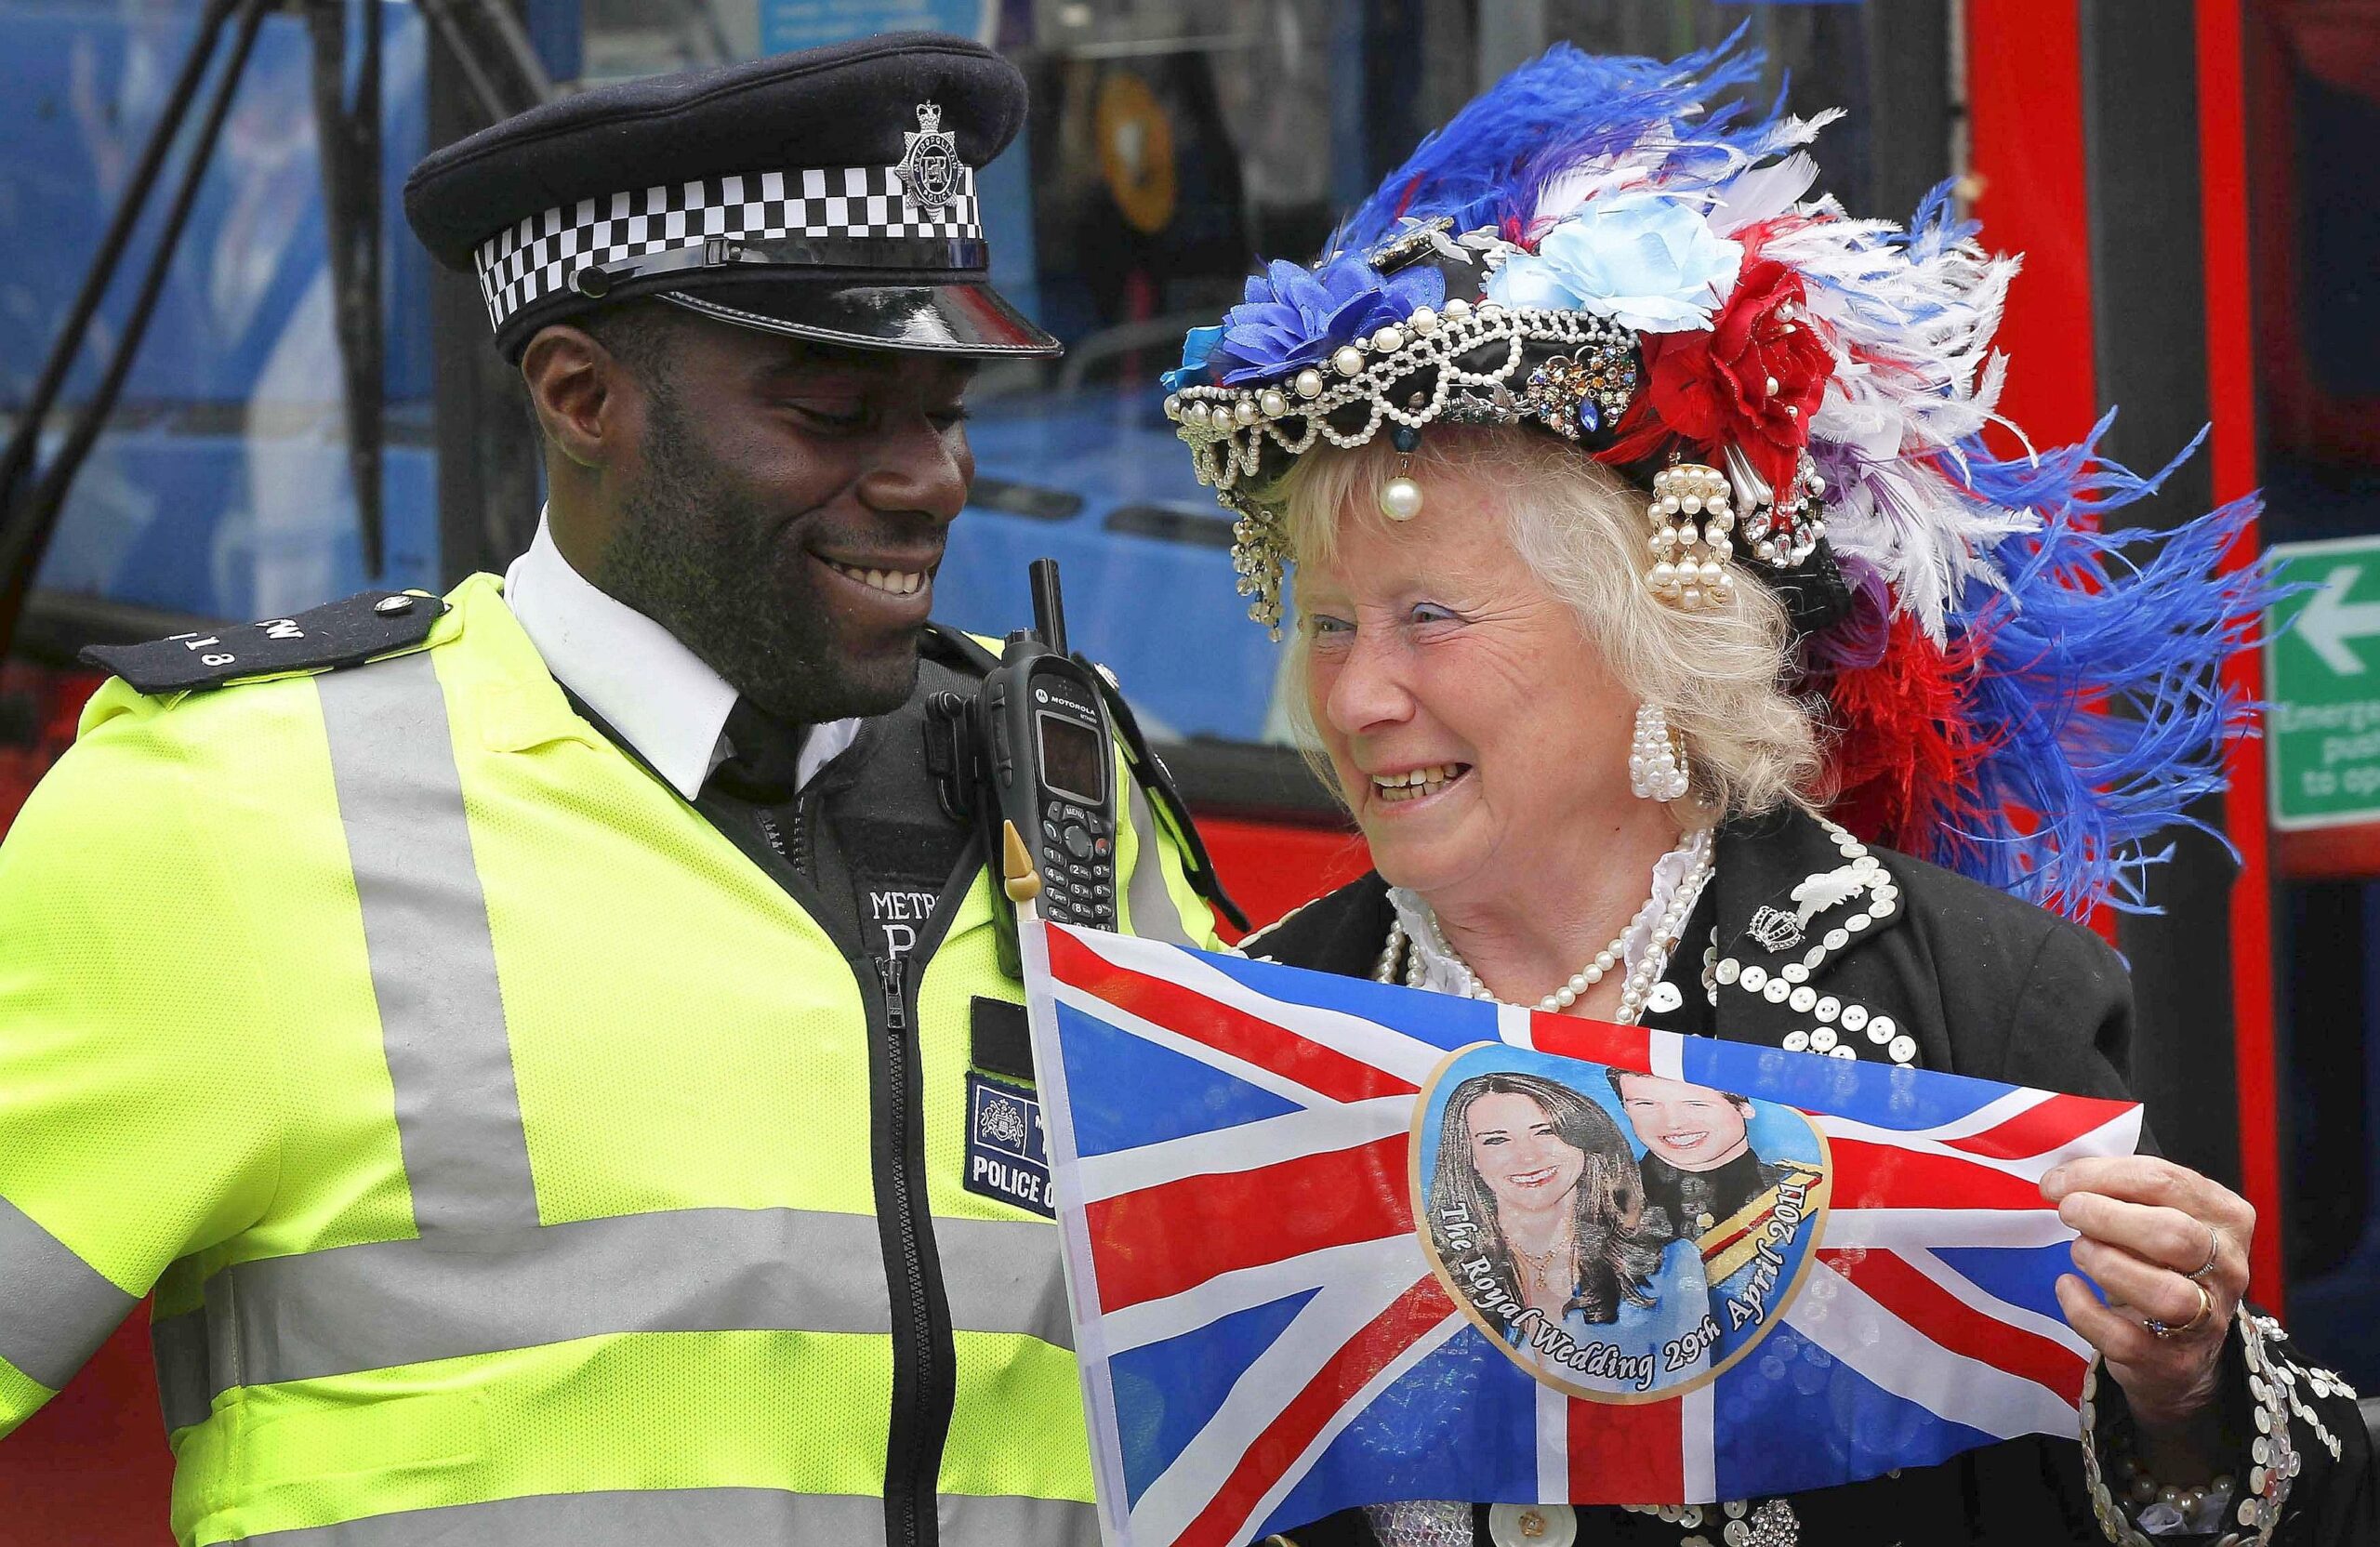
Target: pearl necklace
{"x":1665,"y":930}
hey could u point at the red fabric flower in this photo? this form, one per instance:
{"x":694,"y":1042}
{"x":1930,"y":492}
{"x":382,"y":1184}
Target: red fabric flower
{"x":1753,"y":378}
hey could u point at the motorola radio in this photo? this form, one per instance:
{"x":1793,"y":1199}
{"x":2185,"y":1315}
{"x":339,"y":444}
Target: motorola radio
{"x":1034,"y":747}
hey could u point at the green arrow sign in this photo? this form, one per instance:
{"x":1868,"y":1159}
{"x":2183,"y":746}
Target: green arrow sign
{"x":2323,"y":679}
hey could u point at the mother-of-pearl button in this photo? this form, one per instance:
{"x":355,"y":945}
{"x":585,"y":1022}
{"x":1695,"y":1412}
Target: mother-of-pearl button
{"x":1532,"y":1525}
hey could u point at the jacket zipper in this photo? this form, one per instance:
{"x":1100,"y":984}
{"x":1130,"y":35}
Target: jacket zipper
{"x":794,"y":850}
{"x":923,"y":1387}
{"x":906,"y":1479}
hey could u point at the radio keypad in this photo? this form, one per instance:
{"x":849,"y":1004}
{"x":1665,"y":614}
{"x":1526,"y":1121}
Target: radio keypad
{"x":1079,"y":856}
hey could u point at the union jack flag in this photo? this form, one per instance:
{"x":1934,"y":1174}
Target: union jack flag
{"x":1271,"y":1330}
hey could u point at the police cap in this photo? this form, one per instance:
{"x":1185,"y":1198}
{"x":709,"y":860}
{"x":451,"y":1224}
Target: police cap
{"x":825,"y":194}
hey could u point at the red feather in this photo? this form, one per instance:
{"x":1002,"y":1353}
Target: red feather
{"x":1904,"y":752}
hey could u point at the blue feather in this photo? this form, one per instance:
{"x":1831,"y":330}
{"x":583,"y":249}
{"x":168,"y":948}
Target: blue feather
{"x":1490,"y":162}
{"x":2099,"y":680}
{"x":1936,"y":227}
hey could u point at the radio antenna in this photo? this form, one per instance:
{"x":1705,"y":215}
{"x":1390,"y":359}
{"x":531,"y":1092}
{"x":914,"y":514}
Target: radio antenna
{"x":1049,"y":608}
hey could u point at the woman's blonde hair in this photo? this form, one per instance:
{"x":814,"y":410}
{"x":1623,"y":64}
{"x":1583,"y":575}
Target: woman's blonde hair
{"x":1718,"y":673}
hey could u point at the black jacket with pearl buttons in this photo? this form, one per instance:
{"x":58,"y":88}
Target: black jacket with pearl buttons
{"x":1978,"y":984}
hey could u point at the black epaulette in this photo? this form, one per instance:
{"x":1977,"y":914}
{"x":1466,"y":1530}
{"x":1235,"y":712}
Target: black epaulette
{"x":957,"y":649}
{"x":327,"y":638}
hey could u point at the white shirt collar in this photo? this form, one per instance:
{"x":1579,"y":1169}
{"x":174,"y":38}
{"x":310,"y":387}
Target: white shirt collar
{"x":660,"y":695}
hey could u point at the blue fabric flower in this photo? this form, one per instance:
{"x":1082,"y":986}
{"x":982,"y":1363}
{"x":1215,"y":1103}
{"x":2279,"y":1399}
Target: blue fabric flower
{"x":1644,"y":259}
{"x":1291,"y":318}
{"x":1196,"y":345}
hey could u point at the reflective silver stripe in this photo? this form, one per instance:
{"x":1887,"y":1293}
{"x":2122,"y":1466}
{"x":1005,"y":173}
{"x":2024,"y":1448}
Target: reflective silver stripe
{"x":1004,"y":1275}
{"x":434,"y":962}
{"x":701,"y":1518}
{"x":1012,"y":1522}
{"x":55,"y":1308}
{"x":1154,"y":915}
{"x":679,"y":1517}
{"x":384,"y":1303}
{"x":180,"y":1343}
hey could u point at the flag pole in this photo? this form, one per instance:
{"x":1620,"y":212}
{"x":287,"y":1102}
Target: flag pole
{"x":1023,"y":885}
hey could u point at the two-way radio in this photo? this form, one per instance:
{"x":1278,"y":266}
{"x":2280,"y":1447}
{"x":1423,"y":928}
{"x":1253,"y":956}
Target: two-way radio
{"x":1034,"y":748}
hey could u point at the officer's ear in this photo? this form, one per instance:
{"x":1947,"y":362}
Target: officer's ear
{"x":576,"y":390}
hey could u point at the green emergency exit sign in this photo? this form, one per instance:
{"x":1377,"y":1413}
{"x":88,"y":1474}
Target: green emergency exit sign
{"x":2322,"y":679}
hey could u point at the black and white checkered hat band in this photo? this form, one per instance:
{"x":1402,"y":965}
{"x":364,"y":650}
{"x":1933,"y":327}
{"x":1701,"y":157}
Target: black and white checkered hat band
{"x":530,"y":262}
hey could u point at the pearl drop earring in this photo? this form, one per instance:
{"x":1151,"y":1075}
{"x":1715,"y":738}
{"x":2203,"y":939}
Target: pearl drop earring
{"x":1656,"y":763}
{"x":1400,"y":498}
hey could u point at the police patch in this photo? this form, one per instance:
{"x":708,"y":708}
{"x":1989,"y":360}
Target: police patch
{"x":1005,"y":1156}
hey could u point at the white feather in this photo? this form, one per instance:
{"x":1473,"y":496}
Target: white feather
{"x":1764,"y":193}
{"x":1912,"y":329}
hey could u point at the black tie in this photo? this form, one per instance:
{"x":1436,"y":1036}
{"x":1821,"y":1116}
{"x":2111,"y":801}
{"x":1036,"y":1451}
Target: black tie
{"x":764,"y":756}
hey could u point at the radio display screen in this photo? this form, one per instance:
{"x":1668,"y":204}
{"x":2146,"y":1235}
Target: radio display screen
{"x":1071,"y":759}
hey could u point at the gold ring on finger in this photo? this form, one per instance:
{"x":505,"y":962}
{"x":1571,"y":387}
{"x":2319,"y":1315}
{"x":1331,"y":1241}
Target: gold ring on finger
{"x":2214,"y":1251}
{"x":2167,"y":1329}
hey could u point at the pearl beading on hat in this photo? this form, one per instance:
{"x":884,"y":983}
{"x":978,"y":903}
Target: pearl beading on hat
{"x":1226,"y":427}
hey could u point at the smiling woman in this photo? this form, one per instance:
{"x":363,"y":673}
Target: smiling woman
{"x":1531,"y":558}
{"x":1641,"y":532}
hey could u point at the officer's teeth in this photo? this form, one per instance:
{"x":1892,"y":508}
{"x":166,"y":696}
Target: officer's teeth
{"x":893,"y":582}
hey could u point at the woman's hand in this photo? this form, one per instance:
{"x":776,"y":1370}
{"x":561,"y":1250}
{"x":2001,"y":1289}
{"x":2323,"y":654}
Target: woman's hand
{"x":2166,"y":1245}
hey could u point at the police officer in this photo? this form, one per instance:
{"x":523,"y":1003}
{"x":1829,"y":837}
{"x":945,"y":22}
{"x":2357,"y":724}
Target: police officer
{"x":544,"y":1047}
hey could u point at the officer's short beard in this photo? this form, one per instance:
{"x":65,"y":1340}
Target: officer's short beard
{"x":694,"y":554}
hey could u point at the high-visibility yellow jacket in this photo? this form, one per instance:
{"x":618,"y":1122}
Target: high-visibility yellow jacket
{"x":513,"y":1159}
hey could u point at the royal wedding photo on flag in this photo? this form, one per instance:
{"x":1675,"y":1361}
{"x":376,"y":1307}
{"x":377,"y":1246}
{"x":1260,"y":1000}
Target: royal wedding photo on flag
{"x":1333,"y":1242}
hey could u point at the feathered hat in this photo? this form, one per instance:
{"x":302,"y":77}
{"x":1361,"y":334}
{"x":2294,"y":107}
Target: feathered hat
{"x":1600,"y":248}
